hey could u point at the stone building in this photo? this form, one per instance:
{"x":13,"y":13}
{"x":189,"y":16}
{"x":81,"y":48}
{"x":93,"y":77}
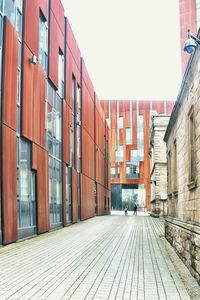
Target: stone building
{"x":157,"y":152}
{"x":182,"y":227}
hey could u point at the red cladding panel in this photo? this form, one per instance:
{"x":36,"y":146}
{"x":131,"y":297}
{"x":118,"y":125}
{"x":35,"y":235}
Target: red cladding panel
{"x":170,"y":106}
{"x":71,"y":69}
{"x":87,"y":154}
{"x":58,"y":11}
{"x":187,"y":9}
{"x":105,"y":106}
{"x":39,"y":106}
{"x":44,"y":7}
{"x":158,"y":106}
{"x":87,"y":80}
{"x":73,"y":46}
{"x":31,"y":33}
{"x":27,"y":95}
{"x":113,"y":106}
{"x":10,"y":75}
{"x":9,"y":182}
{"x":87,"y":111}
{"x":144,"y":106}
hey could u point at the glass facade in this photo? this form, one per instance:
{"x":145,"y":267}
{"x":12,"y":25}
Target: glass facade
{"x":54,"y":147}
{"x":129,"y":139}
{"x":53,"y":122}
{"x":119,"y":154}
{"x":132,"y":170}
{"x":112,"y":172}
{"x":26,"y":201}
{"x":69,"y":194}
{"x":61,"y":74}
{"x":55,"y":192}
{"x":120,"y":122}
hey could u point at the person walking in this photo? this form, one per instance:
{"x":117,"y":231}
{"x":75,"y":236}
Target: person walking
{"x":135,"y":209}
{"x":126,"y":211}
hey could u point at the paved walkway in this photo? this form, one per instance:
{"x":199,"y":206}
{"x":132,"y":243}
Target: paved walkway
{"x":111,"y":257}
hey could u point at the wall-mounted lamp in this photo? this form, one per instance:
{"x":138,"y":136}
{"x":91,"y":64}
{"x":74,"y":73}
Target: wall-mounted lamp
{"x":33,"y":60}
{"x":191,"y":43}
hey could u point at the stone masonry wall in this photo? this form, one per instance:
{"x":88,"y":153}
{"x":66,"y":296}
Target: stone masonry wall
{"x":183,"y":221}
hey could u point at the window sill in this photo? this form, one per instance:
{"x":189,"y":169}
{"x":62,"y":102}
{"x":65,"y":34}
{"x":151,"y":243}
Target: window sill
{"x":192,"y":185}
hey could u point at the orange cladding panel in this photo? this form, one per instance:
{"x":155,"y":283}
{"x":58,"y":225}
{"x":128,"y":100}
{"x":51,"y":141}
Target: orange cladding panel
{"x":10,"y":75}
{"x":87,"y":198}
{"x":9,"y":185}
{"x":100,"y":130}
{"x":87,"y":111}
{"x":101,"y":194}
{"x":87,"y":154}
{"x":100,"y":171}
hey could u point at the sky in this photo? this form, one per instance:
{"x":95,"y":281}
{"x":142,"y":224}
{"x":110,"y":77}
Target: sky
{"x":131,"y":47}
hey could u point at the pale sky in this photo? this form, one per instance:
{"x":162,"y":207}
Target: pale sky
{"x":131,"y":47}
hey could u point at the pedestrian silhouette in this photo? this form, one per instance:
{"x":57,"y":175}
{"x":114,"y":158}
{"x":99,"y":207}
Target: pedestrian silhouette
{"x":126,"y":211}
{"x":135,"y":209}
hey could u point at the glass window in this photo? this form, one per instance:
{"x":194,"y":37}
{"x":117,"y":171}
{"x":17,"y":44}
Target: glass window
{"x":55,"y":191}
{"x":72,"y":133}
{"x":192,"y":148}
{"x":68,"y":194}
{"x":120,"y":122}
{"x":1,"y":5}
{"x":132,"y":170}
{"x":61,"y":74}
{"x":19,"y":23}
{"x":9,"y":11}
{"x":26,"y":203}
{"x":53,"y":122}
{"x":120,"y":153}
{"x":129,"y":136}
{"x":112,"y":172}
{"x":43,"y":42}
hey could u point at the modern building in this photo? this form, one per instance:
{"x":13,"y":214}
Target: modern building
{"x":189,"y":19}
{"x":183,"y":150}
{"x":129,"y":123}
{"x":158,"y":164}
{"x":54,"y":158}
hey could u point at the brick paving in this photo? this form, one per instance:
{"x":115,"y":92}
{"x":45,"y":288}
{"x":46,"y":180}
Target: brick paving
{"x":111,"y":257}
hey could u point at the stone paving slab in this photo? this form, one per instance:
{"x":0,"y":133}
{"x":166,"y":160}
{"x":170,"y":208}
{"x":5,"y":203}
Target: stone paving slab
{"x":111,"y":257}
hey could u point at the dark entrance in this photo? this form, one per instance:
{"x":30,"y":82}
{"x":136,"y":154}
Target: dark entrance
{"x":126,"y":195}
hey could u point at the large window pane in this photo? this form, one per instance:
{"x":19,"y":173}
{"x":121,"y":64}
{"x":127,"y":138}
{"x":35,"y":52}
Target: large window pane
{"x":43,"y":42}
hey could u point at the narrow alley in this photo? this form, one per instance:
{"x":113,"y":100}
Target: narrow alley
{"x":110,"y":257}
